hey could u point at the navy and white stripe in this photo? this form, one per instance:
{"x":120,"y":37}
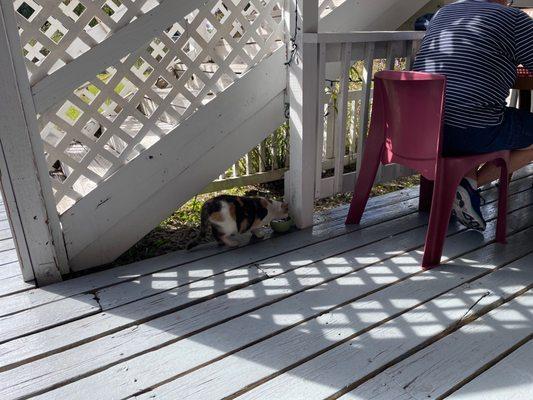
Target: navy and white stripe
{"x":477,"y":44}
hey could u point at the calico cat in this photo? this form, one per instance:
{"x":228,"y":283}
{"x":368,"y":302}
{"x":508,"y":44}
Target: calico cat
{"x":230,"y":215}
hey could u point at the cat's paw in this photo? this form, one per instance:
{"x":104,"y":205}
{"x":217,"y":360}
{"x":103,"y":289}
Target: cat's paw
{"x":259,"y":234}
{"x":230,"y":243}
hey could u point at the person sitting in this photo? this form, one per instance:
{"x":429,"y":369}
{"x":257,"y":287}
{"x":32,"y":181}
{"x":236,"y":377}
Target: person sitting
{"x":477,"y":45}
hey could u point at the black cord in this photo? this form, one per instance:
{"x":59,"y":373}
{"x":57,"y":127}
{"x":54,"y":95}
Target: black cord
{"x":294,"y":45}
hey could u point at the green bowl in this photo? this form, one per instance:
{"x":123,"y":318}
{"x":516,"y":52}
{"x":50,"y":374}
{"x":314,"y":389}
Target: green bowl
{"x":281,"y":226}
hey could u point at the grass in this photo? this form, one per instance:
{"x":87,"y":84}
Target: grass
{"x":93,"y":89}
{"x":73,"y":113}
{"x":120,"y":87}
{"x":177,"y":230}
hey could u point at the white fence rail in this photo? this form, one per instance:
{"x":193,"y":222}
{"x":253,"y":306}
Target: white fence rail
{"x":352,"y":59}
{"x":341,"y":136}
{"x":267,"y":162}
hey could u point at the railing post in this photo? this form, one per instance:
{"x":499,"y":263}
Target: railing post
{"x":25,"y":182}
{"x":304,"y":100}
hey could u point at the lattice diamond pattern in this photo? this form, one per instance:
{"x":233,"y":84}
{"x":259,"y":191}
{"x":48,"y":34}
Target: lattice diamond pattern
{"x":128,"y":107}
{"x":54,"y":32}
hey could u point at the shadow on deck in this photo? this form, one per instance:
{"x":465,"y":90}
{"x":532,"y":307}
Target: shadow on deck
{"x":329,"y":312}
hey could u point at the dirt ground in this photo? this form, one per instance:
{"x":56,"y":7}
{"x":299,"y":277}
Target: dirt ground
{"x":176,"y":231}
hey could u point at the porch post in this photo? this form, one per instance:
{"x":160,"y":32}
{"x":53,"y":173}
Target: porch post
{"x":303,"y":95}
{"x":25,"y":182}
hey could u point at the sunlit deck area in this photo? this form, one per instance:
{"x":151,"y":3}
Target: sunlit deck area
{"x":329,"y":312}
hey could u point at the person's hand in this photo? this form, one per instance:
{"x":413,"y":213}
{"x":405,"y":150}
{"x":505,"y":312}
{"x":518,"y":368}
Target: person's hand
{"x":528,"y":11}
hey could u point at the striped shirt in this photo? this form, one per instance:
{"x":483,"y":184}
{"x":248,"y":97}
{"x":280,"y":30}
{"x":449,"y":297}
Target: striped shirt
{"x":477,"y":45}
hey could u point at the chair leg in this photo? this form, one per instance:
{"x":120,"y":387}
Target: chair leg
{"x":501,"y":228}
{"x":439,"y":218}
{"x":363,"y":186}
{"x":426,"y":192}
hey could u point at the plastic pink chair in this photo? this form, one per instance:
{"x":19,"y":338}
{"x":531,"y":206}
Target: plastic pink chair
{"x":406,"y":129}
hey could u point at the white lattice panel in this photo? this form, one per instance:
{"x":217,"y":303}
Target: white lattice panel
{"x":128,"y":107}
{"x":54,"y":32}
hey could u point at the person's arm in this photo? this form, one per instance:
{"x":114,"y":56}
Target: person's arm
{"x":524,"y":40}
{"x":528,"y":11}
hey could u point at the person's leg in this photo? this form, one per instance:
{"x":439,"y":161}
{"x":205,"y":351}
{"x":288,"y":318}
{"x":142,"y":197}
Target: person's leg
{"x":463,"y":141}
{"x":489,"y":172}
{"x":515,"y":132}
{"x":467,"y":205}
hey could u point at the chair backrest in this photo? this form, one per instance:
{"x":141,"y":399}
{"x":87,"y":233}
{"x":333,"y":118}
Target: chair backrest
{"x":411,"y":105}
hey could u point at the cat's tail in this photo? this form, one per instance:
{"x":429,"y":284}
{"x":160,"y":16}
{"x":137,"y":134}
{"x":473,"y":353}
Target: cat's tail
{"x":204,"y":225}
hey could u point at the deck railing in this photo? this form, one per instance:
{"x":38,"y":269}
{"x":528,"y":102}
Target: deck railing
{"x":267,"y":162}
{"x":346,"y":102}
{"x":355,"y":58}
{"x":331,"y":107}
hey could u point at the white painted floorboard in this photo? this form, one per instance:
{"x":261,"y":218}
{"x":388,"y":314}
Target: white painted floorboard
{"x":178,"y":358}
{"x":120,"y":318}
{"x":331,"y":311}
{"x":511,"y":378}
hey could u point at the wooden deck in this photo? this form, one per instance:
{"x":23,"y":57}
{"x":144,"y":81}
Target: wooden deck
{"x":331,"y":312}
{"x":10,"y":276}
